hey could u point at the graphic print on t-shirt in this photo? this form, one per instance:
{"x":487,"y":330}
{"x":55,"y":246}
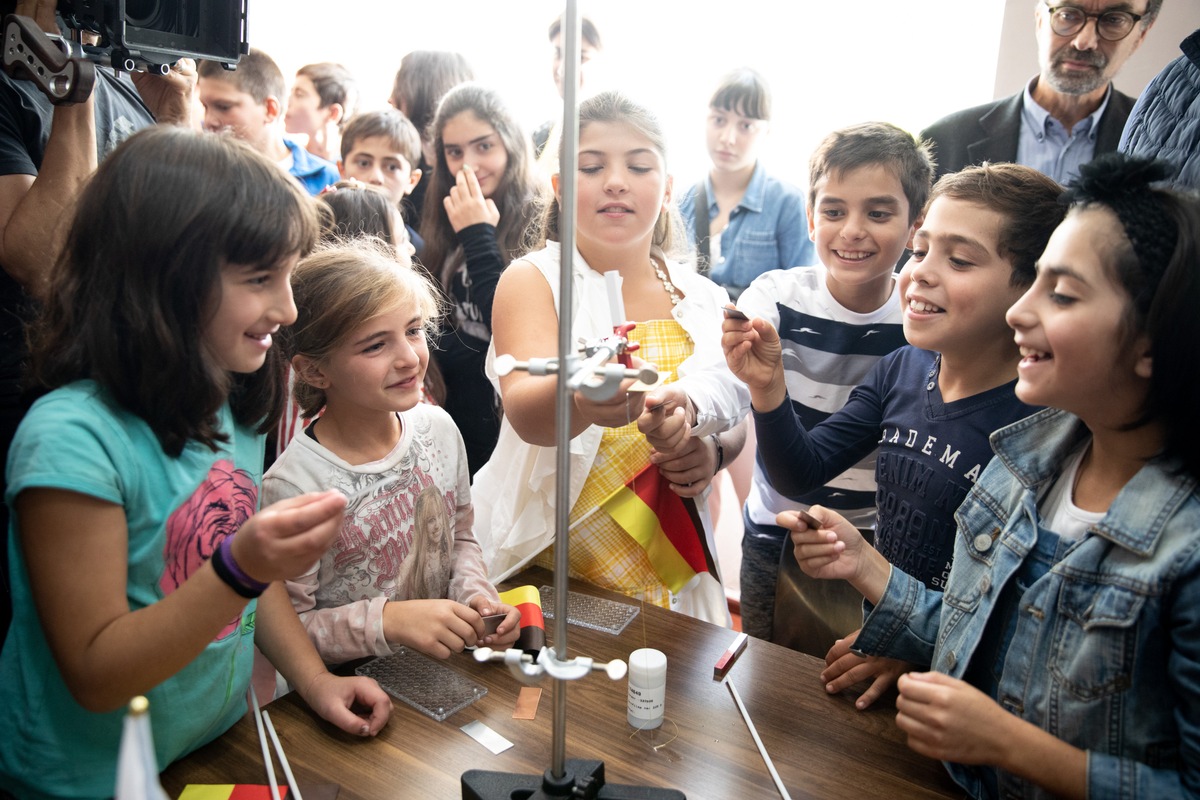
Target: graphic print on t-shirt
{"x":221,"y":504}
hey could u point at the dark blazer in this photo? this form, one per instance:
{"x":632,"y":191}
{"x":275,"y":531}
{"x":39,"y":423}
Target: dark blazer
{"x":990,"y":132}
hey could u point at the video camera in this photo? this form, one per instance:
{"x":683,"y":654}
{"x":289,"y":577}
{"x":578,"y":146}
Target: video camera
{"x":148,"y":35}
{"x":128,"y":35}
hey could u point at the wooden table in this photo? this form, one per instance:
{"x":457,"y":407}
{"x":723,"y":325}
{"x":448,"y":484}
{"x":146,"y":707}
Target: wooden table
{"x":821,"y":746}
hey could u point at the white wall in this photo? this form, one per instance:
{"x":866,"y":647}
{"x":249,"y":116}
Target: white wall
{"x":829,"y":64}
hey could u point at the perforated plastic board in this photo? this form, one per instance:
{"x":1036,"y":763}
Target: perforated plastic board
{"x":586,"y":611}
{"x":427,"y":685}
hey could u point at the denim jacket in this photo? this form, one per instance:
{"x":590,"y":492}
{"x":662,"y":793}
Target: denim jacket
{"x":1108,"y":641}
{"x":767,"y":230}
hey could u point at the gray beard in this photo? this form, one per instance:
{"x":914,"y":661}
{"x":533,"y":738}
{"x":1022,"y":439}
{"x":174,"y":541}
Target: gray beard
{"x":1072,"y":83}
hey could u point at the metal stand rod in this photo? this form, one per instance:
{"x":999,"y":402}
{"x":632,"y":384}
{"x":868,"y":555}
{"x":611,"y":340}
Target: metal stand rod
{"x":567,"y":170}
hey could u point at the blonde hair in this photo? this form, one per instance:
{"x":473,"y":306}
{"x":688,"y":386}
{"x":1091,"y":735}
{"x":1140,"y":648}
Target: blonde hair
{"x":341,"y":286}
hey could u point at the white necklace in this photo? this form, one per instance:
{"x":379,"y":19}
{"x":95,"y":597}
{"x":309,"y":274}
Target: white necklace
{"x":666,"y":282}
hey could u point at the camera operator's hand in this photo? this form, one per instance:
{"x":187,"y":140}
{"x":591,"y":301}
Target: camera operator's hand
{"x":41,"y":12}
{"x":169,"y":97}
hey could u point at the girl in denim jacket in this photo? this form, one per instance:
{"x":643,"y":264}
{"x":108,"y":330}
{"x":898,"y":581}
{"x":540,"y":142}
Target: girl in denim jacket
{"x":1066,"y":648}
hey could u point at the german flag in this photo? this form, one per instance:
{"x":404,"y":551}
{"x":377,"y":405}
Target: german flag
{"x":664,"y":524}
{"x":528,"y":601}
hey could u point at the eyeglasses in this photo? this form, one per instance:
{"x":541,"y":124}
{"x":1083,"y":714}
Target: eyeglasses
{"x":1112,"y":26}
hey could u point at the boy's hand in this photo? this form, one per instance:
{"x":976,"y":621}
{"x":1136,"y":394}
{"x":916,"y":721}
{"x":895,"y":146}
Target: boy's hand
{"x":509,"y":628}
{"x":466,"y":205}
{"x":434,"y":627}
{"x":335,"y":698}
{"x":844,"y":669}
{"x":287,"y":538}
{"x":755,"y":355}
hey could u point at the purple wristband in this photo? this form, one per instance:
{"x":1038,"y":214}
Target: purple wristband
{"x":227,"y":569}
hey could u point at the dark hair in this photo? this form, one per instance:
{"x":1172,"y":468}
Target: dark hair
{"x":616,"y":108}
{"x":257,"y":75}
{"x":353,"y":209}
{"x":1157,"y":263}
{"x":334,"y":84}
{"x":743,"y":91}
{"x":1027,"y":201}
{"x":423,"y":78}
{"x":140,"y":277}
{"x":513,"y":195}
{"x":341,"y":286}
{"x":870,"y":143}
{"x":389,"y":123}
{"x":587,"y":31}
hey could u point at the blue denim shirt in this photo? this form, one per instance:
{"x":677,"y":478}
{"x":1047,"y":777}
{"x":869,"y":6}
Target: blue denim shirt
{"x":1108,"y":639}
{"x":767,"y":230}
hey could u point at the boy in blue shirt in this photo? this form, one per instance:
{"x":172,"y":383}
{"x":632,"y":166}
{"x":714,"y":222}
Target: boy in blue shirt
{"x":248,"y":101}
{"x":382,"y":148}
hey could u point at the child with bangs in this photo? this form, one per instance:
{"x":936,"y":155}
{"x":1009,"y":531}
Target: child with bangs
{"x":475,"y":218}
{"x":743,"y":220}
{"x":405,"y":568}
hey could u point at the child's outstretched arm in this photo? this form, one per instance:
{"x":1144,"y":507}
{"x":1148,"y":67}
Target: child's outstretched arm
{"x":108,"y":653}
{"x":285,"y":643}
{"x":836,"y":550}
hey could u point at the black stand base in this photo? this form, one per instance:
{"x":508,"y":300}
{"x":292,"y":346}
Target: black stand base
{"x":583,"y":779}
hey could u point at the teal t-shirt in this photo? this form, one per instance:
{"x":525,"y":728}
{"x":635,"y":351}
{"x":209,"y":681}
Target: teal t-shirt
{"x":178,"y":510}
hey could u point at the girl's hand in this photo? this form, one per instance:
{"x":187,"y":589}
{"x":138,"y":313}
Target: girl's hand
{"x":831,"y":552}
{"x":754,"y":354}
{"x":335,"y":700}
{"x":509,"y":628}
{"x":434,"y":627}
{"x":691,"y":468}
{"x":664,"y":420}
{"x":843,"y":669}
{"x":951,"y":720}
{"x":836,"y":550}
{"x":466,"y":205}
{"x":287,"y":538}
{"x":617,"y":411}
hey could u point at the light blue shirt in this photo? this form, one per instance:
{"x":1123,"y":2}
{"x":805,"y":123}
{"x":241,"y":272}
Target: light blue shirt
{"x":767,"y":230}
{"x":1045,"y":144}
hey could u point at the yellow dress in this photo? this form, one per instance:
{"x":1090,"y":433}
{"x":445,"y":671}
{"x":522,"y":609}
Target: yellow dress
{"x":601,"y":552}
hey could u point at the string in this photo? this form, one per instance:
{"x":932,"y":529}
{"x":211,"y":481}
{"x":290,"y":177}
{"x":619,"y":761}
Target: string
{"x":646,"y":644}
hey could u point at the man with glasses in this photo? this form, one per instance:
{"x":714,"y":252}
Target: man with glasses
{"x":1070,"y":112}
